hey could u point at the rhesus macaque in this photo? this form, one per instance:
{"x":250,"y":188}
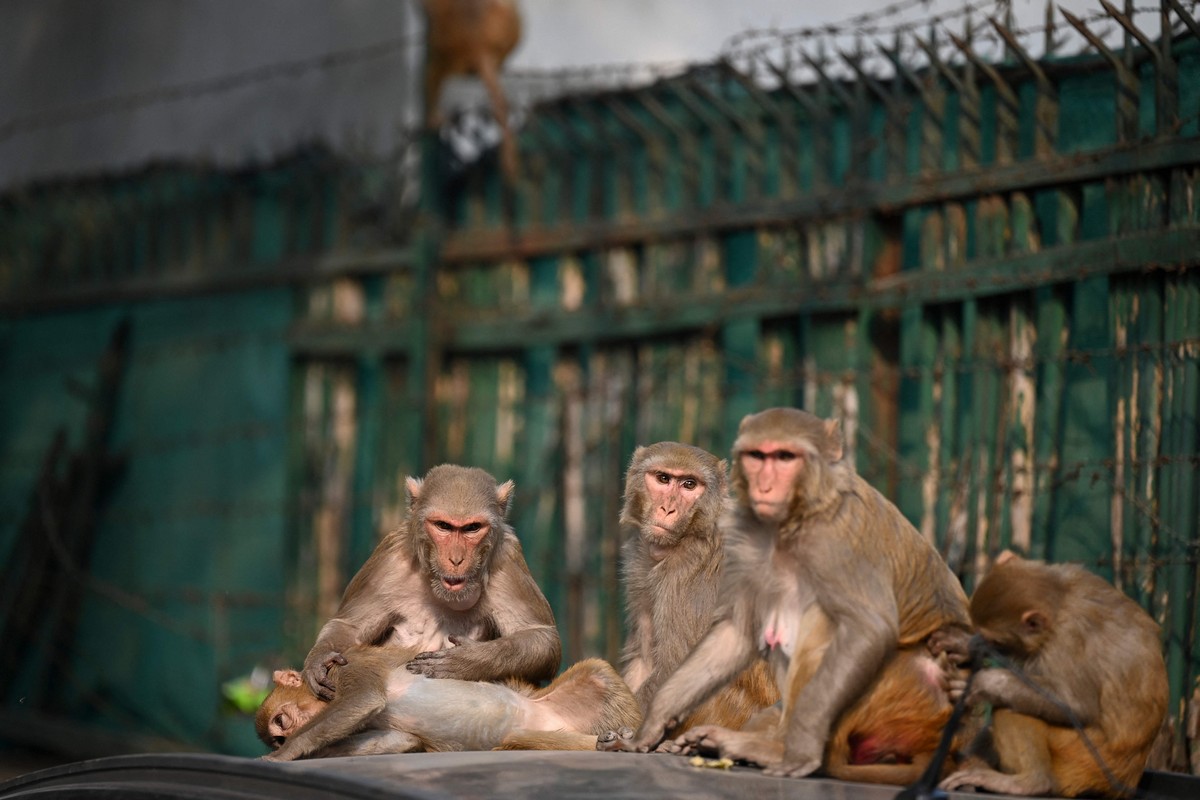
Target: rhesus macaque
{"x":472,"y":37}
{"x":674,"y":495}
{"x":450,"y":584}
{"x":382,"y":707}
{"x":1091,"y":649}
{"x":827,"y":582}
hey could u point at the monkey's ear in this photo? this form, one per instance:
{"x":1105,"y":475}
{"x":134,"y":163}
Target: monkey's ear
{"x":1007,"y":556}
{"x":504,"y":494}
{"x":833,"y":433}
{"x":286,"y":677}
{"x":414,"y":489}
{"x":1034,"y":622}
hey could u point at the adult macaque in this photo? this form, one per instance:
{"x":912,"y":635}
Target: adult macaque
{"x":382,"y":707}
{"x":674,"y":495}
{"x":451,"y":585}
{"x":472,"y":37}
{"x":1096,"y":659}
{"x":825,"y":580}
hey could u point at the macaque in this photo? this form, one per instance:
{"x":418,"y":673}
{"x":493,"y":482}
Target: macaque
{"x":1096,"y":659}
{"x":674,"y":494}
{"x":827,"y":582}
{"x":451,"y":585}
{"x":382,"y":707}
{"x":472,"y":37}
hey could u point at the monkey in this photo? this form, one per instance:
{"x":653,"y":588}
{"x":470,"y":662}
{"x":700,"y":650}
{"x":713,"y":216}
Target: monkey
{"x":472,"y":37}
{"x":671,"y":565}
{"x":382,"y":707}
{"x":451,"y":584}
{"x":826,"y":581}
{"x":1096,"y":658}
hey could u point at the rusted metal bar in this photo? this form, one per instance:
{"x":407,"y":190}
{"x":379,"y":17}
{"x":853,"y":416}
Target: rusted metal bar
{"x":787,"y":126}
{"x":933,"y":103}
{"x":819,"y":115}
{"x":1166,"y":77}
{"x":896,"y":111}
{"x":1008,"y":106}
{"x":968,"y":104}
{"x":1185,"y":16}
{"x":1127,"y":81}
{"x":684,"y":136}
{"x":1046,"y":113}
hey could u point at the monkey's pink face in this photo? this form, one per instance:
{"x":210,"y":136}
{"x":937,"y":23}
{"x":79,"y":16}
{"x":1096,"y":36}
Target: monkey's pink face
{"x":457,"y":541}
{"x":671,"y":495}
{"x":772,"y":471}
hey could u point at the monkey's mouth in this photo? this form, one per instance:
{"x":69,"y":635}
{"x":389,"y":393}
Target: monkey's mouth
{"x":454,"y":583}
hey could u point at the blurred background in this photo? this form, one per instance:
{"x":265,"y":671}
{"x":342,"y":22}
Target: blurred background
{"x":245,"y":289}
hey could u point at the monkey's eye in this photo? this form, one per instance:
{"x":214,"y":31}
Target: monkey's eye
{"x":442,"y":525}
{"x":472,"y":527}
{"x":689,"y":484}
{"x":278,"y":741}
{"x":757,"y":455}
{"x":785,"y":455}
{"x":663,"y":478}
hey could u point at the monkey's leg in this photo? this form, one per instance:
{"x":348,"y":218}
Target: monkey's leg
{"x":523,"y":739}
{"x":761,"y":749}
{"x":1023,"y":747}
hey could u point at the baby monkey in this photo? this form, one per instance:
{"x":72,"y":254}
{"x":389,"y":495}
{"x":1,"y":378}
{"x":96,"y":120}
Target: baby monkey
{"x":381,"y":707}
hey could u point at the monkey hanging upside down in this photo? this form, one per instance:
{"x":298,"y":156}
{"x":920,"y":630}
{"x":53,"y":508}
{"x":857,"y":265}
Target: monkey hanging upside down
{"x":381,"y":707}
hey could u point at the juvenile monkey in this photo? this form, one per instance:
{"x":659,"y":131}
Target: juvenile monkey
{"x":1091,"y":649}
{"x":381,"y":707}
{"x":674,"y":495}
{"x":451,"y":585}
{"x":472,"y":37}
{"x":828,"y":583}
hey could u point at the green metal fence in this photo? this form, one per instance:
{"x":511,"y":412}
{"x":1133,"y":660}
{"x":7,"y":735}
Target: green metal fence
{"x":982,"y":261}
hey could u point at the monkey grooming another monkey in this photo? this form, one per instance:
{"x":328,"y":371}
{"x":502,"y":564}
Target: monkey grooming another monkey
{"x":451,"y":585}
{"x":828,"y":583}
{"x":1092,"y":649}
{"x":380,"y":707}
{"x":674,"y":495}
{"x":472,"y":37}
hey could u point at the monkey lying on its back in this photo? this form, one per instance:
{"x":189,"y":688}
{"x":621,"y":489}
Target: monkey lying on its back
{"x":381,"y":707}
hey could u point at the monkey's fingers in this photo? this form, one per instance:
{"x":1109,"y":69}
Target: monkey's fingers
{"x":335,"y":659}
{"x":793,"y":769}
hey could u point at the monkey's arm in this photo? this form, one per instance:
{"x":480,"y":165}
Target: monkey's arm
{"x":725,"y":651}
{"x":527,"y":644}
{"x":361,"y":696}
{"x":1002,"y":688}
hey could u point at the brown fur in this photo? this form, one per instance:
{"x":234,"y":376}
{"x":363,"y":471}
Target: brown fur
{"x":496,"y":624}
{"x":671,"y":581}
{"x":380,"y":707}
{"x":473,"y":37}
{"x":1084,"y":642}
{"x":828,"y":580}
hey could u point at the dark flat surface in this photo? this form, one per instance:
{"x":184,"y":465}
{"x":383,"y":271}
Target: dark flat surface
{"x":465,"y":776}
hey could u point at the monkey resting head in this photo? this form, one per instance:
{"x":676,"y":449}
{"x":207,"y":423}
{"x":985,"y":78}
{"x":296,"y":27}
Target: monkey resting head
{"x":288,"y":707}
{"x":456,"y":517}
{"x":782,"y":462}
{"x":670,"y":490}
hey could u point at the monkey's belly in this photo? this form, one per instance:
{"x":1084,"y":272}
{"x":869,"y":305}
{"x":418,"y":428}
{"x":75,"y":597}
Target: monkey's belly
{"x":459,"y":714}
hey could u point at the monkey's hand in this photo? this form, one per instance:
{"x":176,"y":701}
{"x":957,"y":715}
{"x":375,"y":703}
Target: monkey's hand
{"x":651,"y":734}
{"x":952,"y":641}
{"x":316,"y":674}
{"x":992,"y":686}
{"x":462,"y":661}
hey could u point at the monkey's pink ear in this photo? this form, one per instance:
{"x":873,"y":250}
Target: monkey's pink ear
{"x":504,"y":494}
{"x":1007,"y":556}
{"x":833,"y":434}
{"x":287,"y":677}
{"x":1034,"y":622}
{"x":414,"y":489}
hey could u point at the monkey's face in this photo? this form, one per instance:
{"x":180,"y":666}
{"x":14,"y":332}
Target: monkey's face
{"x":460,"y":545}
{"x":671,"y":497}
{"x":289,"y":706}
{"x":772,"y":471}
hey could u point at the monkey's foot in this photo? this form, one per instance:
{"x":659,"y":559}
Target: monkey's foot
{"x":752,"y":748}
{"x":617,"y":741}
{"x":998,"y":782}
{"x":793,"y":769}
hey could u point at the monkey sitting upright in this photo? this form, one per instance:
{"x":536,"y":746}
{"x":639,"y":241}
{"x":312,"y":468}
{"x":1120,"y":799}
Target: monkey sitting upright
{"x":381,"y":707}
{"x":1096,"y":658}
